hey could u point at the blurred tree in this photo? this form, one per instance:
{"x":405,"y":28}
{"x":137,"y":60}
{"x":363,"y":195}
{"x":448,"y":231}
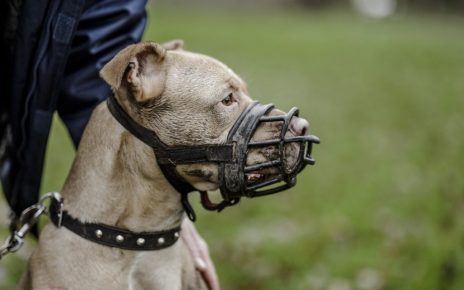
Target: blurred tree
{"x":409,"y":5}
{"x":436,"y":5}
{"x":455,"y":6}
{"x":318,"y":3}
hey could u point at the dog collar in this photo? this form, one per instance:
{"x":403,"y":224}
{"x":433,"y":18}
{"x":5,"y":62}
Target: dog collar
{"x":112,"y":236}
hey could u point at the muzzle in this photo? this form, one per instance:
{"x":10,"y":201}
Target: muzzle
{"x":234,"y":175}
{"x":234,"y":172}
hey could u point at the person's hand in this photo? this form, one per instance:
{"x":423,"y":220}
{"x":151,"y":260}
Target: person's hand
{"x":200,"y":254}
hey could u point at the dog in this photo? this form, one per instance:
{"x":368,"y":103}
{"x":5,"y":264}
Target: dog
{"x":187,"y":99}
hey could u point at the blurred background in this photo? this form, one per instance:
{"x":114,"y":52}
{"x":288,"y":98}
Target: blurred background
{"x":382,"y":84}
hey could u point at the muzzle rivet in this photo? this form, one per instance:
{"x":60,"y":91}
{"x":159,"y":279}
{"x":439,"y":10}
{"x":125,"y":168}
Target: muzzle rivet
{"x":160,"y":241}
{"x":119,"y":239}
{"x":176,"y":235}
{"x":98,"y":233}
{"x":140,"y":241}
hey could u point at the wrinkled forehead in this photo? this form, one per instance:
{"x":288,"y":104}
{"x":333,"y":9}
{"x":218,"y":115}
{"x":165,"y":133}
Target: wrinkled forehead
{"x":199,"y":71}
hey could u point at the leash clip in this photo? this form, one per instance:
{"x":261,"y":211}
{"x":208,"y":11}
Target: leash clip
{"x":28,"y":218}
{"x":56,"y":203}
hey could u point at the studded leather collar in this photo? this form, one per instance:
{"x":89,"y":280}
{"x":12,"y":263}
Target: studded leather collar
{"x":112,"y":236}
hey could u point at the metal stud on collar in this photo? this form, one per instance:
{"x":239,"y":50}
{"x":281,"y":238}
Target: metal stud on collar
{"x":98,"y":233}
{"x":119,"y":239}
{"x":161,"y":241}
{"x":140,"y":241}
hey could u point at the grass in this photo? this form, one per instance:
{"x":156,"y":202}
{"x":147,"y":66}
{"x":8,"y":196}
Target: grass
{"x":384,"y":206}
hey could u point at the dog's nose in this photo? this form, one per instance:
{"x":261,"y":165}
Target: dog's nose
{"x":299,"y":126}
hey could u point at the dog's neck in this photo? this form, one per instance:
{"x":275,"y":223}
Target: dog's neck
{"x":115,"y":180}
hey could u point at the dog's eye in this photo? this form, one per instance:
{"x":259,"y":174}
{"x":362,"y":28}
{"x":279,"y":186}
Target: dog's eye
{"x":229,"y":100}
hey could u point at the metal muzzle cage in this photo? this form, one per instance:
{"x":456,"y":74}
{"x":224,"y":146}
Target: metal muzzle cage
{"x":234,"y":181}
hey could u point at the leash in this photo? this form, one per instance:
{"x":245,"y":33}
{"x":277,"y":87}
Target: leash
{"x":28,"y":218}
{"x":102,"y":234}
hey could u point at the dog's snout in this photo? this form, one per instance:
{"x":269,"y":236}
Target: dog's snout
{"x":299,"y":126}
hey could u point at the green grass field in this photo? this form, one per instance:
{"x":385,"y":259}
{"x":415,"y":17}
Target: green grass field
{"x":384,"y":206}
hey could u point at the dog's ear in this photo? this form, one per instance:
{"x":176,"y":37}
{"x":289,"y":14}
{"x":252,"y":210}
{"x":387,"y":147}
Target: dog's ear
{"x":176,"y":44}
{"x":139,"y":69}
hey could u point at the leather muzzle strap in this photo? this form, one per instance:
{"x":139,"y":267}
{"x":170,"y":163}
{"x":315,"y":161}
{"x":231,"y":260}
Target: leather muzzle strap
{"x":113,"y":236}
{"x":170,"y":155}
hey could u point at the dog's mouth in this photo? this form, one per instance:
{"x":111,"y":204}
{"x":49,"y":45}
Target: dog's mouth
{"x":271,"y":154}
{"x":260,"y":176}
{"x":254,"y":177}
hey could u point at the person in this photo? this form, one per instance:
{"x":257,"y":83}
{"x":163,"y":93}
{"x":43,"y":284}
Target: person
{"x":51,"y":52}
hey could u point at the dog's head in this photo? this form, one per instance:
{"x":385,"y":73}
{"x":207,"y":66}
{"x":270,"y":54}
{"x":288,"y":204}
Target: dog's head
{"x":191,"y":99}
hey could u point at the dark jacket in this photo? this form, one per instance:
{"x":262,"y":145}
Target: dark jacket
{"x":51,"y":52}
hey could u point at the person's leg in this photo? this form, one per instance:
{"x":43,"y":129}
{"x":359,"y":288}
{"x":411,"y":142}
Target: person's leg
{"x":106,"y":27}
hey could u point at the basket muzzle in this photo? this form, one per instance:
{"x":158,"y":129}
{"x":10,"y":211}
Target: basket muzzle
{"x":290,"y":155}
